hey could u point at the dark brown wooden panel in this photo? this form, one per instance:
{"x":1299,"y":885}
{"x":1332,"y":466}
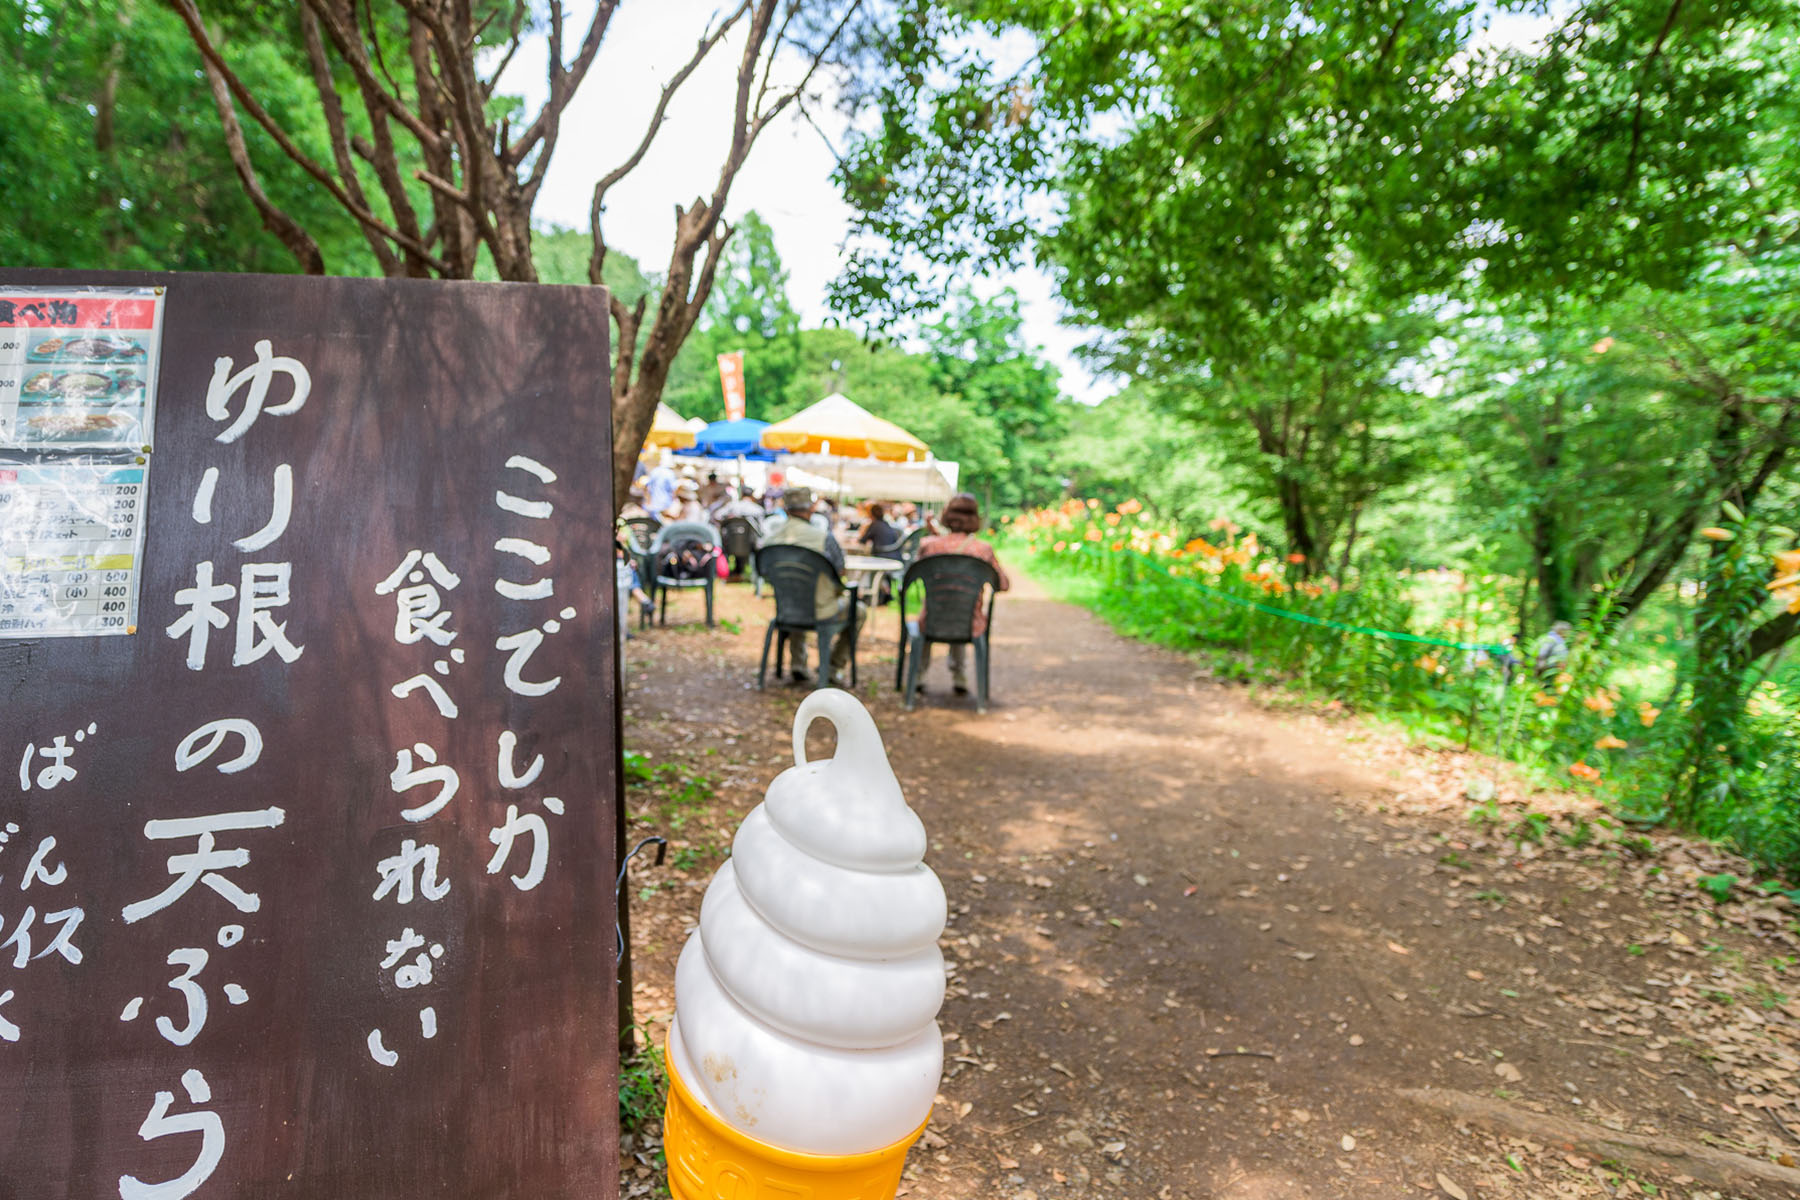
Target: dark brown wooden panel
{"x":421,"y":394}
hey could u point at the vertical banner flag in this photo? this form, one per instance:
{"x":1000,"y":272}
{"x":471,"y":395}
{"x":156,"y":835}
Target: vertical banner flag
{"x":731,"y":379}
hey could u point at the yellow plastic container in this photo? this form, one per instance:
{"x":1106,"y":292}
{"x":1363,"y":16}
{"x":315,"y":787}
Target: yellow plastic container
{"x":709,"y":1160}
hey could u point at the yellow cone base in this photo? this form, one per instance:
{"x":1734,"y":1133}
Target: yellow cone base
{"x":709,"y":1160}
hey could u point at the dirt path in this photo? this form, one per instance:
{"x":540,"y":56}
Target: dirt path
{"x":1198,"y":946}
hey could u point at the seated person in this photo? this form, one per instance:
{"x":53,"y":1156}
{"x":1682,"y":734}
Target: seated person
{"x":878,"y":536}
{"x":712,"y":492}
{"x":685,"y":506}
{"x":743,"y":505}
{"x":962,"y":517}
{"x":830,"y":603}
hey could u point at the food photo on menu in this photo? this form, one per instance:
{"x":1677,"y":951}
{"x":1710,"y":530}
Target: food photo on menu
{"x":99,"y":347}
{"x":81,"y":405}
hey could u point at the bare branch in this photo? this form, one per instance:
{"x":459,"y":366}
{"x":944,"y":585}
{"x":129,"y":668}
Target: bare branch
{"x":473,"y":132}
{"x":799,"y":89}
{"x":564,"y":82}
{"x":762,"y":89}
{"x":333,"y":109}
{"x":443,"y":187}
{"x":701,"y":50}
{"x":377,"y":106}
{"x":375,"y":42}
{"x":347,"y":40}
{"x":277,"y":222}
{"x":210,"y":53}
{"x":715,"y":251}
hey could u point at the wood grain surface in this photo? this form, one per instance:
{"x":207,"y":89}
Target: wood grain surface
{"x":421,"y":392}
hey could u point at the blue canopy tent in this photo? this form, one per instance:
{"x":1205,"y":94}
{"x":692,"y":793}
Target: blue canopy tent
{"x":732,"y":439}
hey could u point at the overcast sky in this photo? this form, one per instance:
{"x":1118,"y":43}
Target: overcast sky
{"x":787,"y":179}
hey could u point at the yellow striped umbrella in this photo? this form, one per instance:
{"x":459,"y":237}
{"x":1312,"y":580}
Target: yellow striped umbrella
{"x":668,"y":431}
{"x":838,"y":425}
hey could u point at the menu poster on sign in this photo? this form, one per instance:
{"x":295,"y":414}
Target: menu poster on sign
{"x":306,"y":889}
{"x":78,"y":366}
{"x":71,"y":533}
{"x":78,"y":371}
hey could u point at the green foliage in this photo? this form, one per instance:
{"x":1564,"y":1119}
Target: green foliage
{"x":643,"y":1084}
{"x":973,"y":390}
{"x":980,"y":359}
{"x":112,"y":151}
{"x":1717,"y":886}
{"x":561,"y":256}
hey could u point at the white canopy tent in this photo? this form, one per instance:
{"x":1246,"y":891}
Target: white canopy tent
{"x":755,"y":474}
{"x":932,"y":481}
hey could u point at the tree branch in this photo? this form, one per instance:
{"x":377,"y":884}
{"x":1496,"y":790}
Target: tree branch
{"x":1771,"y":636}
{"x":215,"y":62}
{"x":596,"y":205}
{"x":336,"y":128}
{"x":1637,"y":114}
{"x":715,"y":250}
{"x":629,"y":321}
{"x":798,"y":89}
{"x":277,"y":222}
{"x":348,"y":42}
{"x":564,"y":82}
{"x":701,"y":50}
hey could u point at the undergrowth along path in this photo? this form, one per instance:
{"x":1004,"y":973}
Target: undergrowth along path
{"x":1202,"y":948}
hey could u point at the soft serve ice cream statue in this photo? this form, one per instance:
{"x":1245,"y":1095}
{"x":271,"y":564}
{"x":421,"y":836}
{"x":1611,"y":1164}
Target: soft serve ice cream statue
{"x":805,"y":1053}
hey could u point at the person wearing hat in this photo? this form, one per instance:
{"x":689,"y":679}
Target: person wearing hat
{"x":686,"y":505}
{"x":830,"y":601}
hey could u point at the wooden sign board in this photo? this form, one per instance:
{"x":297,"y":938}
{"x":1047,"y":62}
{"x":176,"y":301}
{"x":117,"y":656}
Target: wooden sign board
{"x":306,"y":882}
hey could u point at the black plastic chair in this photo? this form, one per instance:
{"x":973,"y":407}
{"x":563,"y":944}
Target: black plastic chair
{"x":908,"y":549}
{"x":639,"y":534}
{"x":667,"y":538}
{"x":642,"y":530}
{"x":793,"y":573}
{"x":738,"y":537}
{"x":953,"y":584}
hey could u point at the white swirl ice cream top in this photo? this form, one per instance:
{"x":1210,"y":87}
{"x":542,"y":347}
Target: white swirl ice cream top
{"x":806,"y":1003}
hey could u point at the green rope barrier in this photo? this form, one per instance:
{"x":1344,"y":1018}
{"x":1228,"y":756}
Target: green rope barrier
{"x":1392,"y":635}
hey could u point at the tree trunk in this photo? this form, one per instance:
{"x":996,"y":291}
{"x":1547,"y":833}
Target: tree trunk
{"x":1547,"y":547}
{"x":1349,"y":544}
{"x":1297,"y":521}
{"x":1547,"y":532}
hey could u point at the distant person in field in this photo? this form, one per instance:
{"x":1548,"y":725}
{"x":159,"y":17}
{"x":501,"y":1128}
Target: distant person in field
{"x":1553,"y":652}
{"x":962,"y":520}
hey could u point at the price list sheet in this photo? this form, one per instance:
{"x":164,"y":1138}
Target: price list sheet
{"x":78,"y":370}
{"x":71,"y":532}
